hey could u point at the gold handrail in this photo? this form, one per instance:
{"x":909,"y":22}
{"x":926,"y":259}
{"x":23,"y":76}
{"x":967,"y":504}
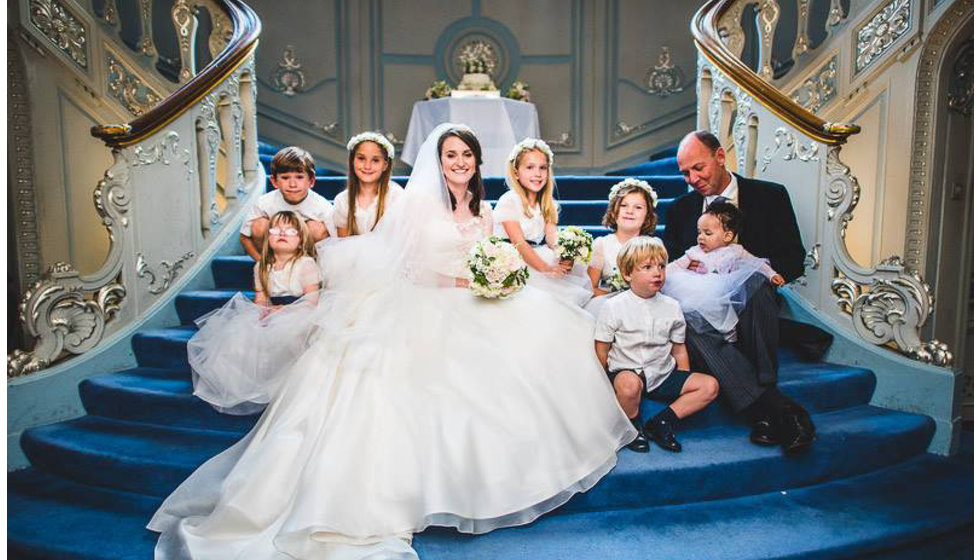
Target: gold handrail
{"x":244,"y":39}
{"x":704,"y":27}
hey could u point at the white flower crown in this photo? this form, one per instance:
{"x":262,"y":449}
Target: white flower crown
{"x":373,"y":137}
{"x":531,"y":144}
{"x":631,"y":182}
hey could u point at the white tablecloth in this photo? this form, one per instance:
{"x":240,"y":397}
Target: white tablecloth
{"x":499,"y":124}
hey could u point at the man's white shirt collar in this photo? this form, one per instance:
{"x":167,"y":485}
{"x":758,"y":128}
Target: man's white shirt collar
{"x":730,"y":193}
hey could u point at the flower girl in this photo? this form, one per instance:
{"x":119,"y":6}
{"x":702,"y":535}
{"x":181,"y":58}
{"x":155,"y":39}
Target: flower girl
{"x":370,"y":190}
{"x":714,"y":279}
{"x":527,"y":214}
{"x":241,"y":348}
{"x":630,"y":213}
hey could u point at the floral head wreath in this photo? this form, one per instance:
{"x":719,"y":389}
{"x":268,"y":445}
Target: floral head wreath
{"x":631,"y":182}
{"x":373,"y":137}
{"x":528,"y":144}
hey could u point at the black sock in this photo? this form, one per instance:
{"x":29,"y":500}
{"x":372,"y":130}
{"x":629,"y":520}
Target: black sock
{"x":667,"y":415}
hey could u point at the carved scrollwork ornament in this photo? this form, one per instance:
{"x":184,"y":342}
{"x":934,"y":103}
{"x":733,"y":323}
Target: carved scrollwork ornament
{"x":795,"y":148}
{"x":881,"y":32}
{"x":63,"y":28}
{"x":288,"y":78}
{"x":127,"y":88}
{"x":888,"y":303}
{"x":564,"y":140}
{"x":170,"y":272}
{"x":665,"y":79}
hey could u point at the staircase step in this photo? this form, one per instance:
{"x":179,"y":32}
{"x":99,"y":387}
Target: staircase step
{"x":163,"y":397}
{"x":54,"y":518}
{"x":663,"y":166}
{"x":163,"y":348}
{"x":925,"y":504}
{"x":192,"y":305}
{"x":717,"y":463}
{"x":125,"y":456}
{"x":233,"y":272}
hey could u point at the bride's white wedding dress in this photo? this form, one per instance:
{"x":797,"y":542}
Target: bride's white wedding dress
{"x":416,"y":404}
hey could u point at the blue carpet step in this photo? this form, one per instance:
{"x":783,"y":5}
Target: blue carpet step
{"x":163,"y":397}
{"x":162,"y":348}
{"x":125,"y":456}
{"x":718,"y":462}
{"x":872,"y":516}
{"x":924,"y":505}
{"x":191,"y":305}
{"x":159,"y":396}
{"x":569,"y":187}
{"x":233,"y":272}
{"x":54,"y":518}
{"x":662,"y":166}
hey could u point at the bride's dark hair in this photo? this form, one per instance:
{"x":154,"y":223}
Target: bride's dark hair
{"x":475,"y":185}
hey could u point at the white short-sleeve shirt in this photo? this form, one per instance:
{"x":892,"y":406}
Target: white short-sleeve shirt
{"x":510,"y":209}
{"x":642,"y":333}
{"x":292,"y":278}
{"x":364,"y":217}
{"x":313,"y":207}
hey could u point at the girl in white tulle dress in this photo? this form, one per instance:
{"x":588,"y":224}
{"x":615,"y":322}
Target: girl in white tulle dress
{"x":416,"y":404}
{"x":631,"y":212}
{"x":714,"y":279}
{"x":370,"y":190}
{"x":239,"y":352}
{"x":527,"y":215}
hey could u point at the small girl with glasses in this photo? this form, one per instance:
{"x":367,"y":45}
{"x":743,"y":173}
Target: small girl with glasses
{"x":239,"y":349}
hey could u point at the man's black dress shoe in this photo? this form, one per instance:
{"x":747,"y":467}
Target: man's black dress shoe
{"x":640,"y":444}
{"x":764,"y":432}
{"x":662,"y":433}
{"x":797,"y":430}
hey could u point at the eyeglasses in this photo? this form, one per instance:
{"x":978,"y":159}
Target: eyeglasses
{"x":287,"y":232}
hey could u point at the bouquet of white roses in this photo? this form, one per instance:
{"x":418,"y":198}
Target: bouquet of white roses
{"x":574,"y":244}
{"x":617,"y":283}
{"x":496,"y":269}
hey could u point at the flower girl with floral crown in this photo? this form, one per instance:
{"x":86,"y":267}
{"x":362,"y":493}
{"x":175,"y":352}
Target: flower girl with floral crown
{"x":527,"y":214}
{"x":631,"y":212}
{"x":370,"y":191}
{"x":239,"y":349}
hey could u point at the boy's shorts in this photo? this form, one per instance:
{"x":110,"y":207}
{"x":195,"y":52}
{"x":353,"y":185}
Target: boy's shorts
{"x":669,"y":390}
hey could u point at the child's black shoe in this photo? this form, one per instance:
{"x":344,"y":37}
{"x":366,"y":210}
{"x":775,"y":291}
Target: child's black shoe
{"x":662,"y":433}
{"x":640,"y":444}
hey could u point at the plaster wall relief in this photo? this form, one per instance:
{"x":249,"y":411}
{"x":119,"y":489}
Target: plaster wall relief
{"x":789,"y":146}
{"x":125,"y":86}
{"x":20,"y":150}
{"x":63,"y":27}
{"x":881,"y":31}
{"x":820,"y":88}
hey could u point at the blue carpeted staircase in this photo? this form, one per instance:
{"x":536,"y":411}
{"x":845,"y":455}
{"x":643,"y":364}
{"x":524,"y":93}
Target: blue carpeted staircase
{"x":866,"y":489}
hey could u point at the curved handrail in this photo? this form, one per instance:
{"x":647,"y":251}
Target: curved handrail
{"x":704,"y":27}
{"x":244,"y":39}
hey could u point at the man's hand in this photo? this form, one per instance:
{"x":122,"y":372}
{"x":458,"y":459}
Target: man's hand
{"x":317,"y":230}
{"x":777,"y":280}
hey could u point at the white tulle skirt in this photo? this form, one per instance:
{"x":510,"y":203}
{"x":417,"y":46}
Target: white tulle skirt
{"x":412,"y":407}
{"x":713,"y":301}
{"x":241,"y":351}
{"x":574,"y":287}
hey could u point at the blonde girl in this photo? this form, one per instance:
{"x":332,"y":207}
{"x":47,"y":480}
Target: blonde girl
{"x":240,"y":350}
{"x":527,"y":215}
{"x":370,"y":191}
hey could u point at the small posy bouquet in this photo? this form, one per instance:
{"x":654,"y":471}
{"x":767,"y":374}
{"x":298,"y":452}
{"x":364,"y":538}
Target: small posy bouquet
{"x":574,"y":244}
{"x":617,"y":283}
{"x":496,"y":269}
{"x":437,"y":90}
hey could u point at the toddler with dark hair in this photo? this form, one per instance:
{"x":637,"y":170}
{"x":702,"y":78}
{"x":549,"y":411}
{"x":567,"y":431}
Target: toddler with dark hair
{"x":714,"y":279}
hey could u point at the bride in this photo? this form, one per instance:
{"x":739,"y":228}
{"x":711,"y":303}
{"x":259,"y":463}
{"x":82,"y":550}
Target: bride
{"x":415,"y":404}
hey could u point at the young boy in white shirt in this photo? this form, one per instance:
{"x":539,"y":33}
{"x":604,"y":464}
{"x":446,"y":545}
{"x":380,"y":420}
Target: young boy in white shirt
{"x":293,"y":175}
{"x":639,"y":338}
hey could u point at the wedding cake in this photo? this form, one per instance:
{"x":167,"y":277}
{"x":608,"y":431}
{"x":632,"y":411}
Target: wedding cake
{"x":477,"y":64}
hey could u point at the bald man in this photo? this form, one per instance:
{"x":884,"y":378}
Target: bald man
{"x":747,"y":369}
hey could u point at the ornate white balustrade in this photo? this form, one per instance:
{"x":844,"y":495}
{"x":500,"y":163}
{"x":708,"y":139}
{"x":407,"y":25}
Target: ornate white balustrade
{"x":770,"y":137}
{"x":181,"y":172}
